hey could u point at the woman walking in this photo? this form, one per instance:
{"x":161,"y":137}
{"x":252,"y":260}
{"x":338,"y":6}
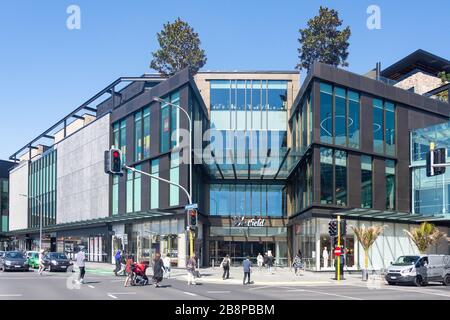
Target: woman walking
{"x":226,"y":267}
{"x":128,"y":270}
{"x":158,"y":270}
{"x":297,"y":263}
{"x":191,"y":265}
{"x":260,"y":261}
{"x":270,"y":258}
{"x":41,"y":262}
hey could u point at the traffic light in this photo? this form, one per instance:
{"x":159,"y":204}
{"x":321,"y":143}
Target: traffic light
{"x":192,"y":217}
{"x":113,"y":161}
{"x":332,"y":228}
{"x":343,"y":227}
{"x":437,"y":156}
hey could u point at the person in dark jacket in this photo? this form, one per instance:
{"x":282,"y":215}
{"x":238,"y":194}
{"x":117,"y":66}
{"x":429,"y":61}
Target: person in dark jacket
{"x":158,"y":270}
{"x":226,"y":267}
{"x":117,"y":258}
{"x":247,"y":269}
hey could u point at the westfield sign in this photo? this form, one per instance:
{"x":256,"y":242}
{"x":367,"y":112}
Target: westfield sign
{"x":249,"y":222}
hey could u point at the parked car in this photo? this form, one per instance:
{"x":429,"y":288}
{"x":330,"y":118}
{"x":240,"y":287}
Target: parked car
{"x":57,"y":261}
{"x":33,"y":259}
{"x":419,"y":270}
{"x":14,"y":260}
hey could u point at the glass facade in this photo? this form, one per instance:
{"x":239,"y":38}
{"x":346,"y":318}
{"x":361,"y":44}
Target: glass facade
{"x":333,"y":177}
{"x":302,"y":126}
{"x":366,"y":182}
{"x":383,"y":127}
{"x":339,"y":116}
{"x":302,"y":192}
{"x":154,"y":185}
{"x":260,"y":200}
{"x":133,"y":202}
{"x":4,"y":204}
{"x":42,"y":190}
{"x":431,"y":195}
{"x":390,"y":184}
{"x":170,"y":119}
{"x":142,"y":134}
{"x":174,"y":194}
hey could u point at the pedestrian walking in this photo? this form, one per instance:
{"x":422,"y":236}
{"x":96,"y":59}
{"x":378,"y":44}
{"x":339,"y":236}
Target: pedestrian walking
{"x":270,"y":259}
{"x":297,"y":263}
{"x":260,"y":261}
{"x":80,"y":261}
{"x":190,"y":266}
{"x":226,"y":267}
{"x":167,"y":266}
{"x":247,"y":270}
{"x":158,"y":270}
{"x":41,"y":262}
{"x":117,"y":258}
{"x":128,"y":270}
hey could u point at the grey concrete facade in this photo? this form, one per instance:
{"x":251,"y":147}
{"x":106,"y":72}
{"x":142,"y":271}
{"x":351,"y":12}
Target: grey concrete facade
{"x":82,"y":185}
{"x":18,"y":205}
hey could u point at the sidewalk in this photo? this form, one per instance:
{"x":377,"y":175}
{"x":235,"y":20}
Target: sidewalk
{"x":281,"y":276}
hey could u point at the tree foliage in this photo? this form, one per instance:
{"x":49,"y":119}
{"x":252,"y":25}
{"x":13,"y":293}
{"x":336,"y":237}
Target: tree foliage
{"x":322,"y":40}
{"x":367,"y":237}
{"x":425,"y":235}
{"x":179,"y":48}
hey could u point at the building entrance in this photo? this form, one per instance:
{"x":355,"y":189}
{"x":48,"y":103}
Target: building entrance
{"x":239,"y":250}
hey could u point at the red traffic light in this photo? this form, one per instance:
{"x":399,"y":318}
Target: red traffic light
{"x":116,"y":154}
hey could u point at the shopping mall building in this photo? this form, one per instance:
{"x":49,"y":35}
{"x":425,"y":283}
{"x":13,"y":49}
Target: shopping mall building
{"x":273,"y":163}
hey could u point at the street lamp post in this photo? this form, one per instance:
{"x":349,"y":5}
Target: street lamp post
{"x":40,"y":217}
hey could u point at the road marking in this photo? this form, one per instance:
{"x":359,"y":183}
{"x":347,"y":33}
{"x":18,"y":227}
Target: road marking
{"x":257,"y":288}
{"x":11,"y":295}
{"x":92,"y":287}
{"x":218,"y":291}
{"x":418,"y":291}
{"x":189,"y":293}
{"x":333,"y":294}
{"x":112,"y":296}
{"x":121,"y":293}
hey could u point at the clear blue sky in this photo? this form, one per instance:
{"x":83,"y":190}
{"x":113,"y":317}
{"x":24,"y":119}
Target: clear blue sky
{"x":48,"y":70}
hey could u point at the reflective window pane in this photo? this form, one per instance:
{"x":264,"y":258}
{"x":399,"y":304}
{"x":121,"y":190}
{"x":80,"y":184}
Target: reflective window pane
{"x":366,"y":181}
{"x":378,"y":126}
{"x":326,"y":113}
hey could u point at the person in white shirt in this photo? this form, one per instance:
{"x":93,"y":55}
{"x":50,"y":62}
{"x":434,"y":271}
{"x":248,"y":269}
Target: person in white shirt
{"x":166,"y":263}
{"x":260,"y":261}
{"x":41,"y":262}
{"x":80,"y":261}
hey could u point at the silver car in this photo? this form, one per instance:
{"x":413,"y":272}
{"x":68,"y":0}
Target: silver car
{"x":419,"y":270}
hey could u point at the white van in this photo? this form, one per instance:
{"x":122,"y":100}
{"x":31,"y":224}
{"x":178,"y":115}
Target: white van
{"x":419,"y":270}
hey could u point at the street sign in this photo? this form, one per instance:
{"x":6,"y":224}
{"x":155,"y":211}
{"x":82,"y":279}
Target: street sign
{"x":191,"y":206}
{"x":337,"y":251}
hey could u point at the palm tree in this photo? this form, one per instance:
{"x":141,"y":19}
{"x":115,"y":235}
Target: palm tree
{"x":425,"y":235}
{"x":366,"y":237}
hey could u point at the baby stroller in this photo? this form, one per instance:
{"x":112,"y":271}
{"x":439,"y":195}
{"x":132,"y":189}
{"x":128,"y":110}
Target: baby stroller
{"x":139,"y":278}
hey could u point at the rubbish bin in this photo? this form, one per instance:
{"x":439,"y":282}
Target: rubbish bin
{"x":365,"y":275}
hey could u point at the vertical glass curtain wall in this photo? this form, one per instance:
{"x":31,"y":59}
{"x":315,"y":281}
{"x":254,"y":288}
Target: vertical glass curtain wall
{"x":333,"y":177}
{"x":142,"y":134}
{"x":134,"y":191}
{"x":302,"y":187}
{"x":42,"y":186}
{"x":302,"y":126}
{"x":339,"y":116}
{"x":170,"y":119}
{"x":383,"y":127}
{"x":366,"y":181}
{"x":260,"y":200}
{"x":4,"y":204}
{"x":390,"y":184}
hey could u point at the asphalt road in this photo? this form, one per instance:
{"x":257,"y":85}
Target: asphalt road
{"x":59,"y":286}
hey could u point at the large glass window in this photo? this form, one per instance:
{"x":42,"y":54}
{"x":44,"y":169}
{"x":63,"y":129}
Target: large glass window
{"x":246,"y":200}
{"x":137,"y":190}
{"x":383,"y":127}
{"x":115,"y":195}
{"x":390,"y":184}
{"x":340,"y":117}
{"x":165,"y":128}
{"x":378,"y":125}
{"x":175,"y":118}
{"x":333,"y":177}
{"x":123,"y":140}
{"x":366,"y":181}
{"x":353,"y":119}
{"x":154,"y":185}
{"x":277,"y":95}
{"x":174,"y":177}
{"x":138,"y":136}
{"x":129,"y":191}
{"x":146,"y":133}
{"x":390,"y":128}
{"x":326,"y":176}
{"x":326,"y":113}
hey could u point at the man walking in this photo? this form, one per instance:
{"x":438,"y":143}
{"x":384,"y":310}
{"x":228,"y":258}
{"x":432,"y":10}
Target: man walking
{"x":117,"y":258}
{"x":166,"y":262}
{"x":247,"y":269}
{"x":80,"y":260}
{"x":191,"y":265}
{"x":41,"y":262}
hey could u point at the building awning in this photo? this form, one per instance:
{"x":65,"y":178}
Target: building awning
{"x":361,"y":213}
{"x":95,"y":222}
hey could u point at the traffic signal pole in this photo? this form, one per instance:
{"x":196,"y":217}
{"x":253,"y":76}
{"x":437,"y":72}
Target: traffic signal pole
{"x":339,"y":246}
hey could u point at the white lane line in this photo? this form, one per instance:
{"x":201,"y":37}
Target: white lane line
{"x":425,"y":291}
{"x":189,"y":293}
{"x":257,"y":288}
{"x":218,"y":291}
{"x":333,"y":294}
{"x":120,"y":293}
{"x":11,"y":295}
{"x":92,"y":287}
{"x":112,"y":296}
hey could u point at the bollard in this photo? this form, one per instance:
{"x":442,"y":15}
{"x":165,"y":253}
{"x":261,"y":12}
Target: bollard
{"x":365,"y":274}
